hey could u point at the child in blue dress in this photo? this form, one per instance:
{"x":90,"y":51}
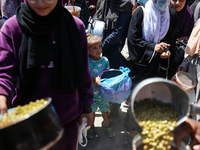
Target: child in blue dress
{"x":97,"y":64}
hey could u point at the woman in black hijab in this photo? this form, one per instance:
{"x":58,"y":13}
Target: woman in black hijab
{"x":44,"y":53}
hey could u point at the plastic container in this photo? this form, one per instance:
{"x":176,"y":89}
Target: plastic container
{"x":188,"y":83}
{"x":74,"y":10}
{"x":185,"y":80}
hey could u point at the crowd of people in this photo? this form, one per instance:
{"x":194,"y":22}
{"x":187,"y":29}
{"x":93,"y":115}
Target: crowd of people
{"x":46,"y":52}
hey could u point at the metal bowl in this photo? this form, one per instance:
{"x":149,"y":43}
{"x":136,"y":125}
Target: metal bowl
{"x":39,"y":130}
{"x":164,"y":90}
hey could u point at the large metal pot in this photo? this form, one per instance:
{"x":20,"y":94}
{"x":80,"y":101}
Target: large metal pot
{"x":40,"y":130}
{"x":166,"y":91}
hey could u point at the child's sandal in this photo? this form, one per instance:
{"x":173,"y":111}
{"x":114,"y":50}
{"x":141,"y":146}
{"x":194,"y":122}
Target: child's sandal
{"x":90,"y":133}
{"x":110,"y":132}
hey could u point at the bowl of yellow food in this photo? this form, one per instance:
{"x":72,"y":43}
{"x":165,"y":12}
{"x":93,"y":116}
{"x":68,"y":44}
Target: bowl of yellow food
{"x":158,"y":107}
{"x":31,"y":126}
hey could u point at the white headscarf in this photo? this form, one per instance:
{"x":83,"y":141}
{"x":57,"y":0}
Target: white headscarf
{"x":156,"y":23}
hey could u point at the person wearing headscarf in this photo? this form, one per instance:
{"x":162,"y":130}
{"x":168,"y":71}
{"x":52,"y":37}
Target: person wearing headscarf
{"x":151,"y":33}
{"x":151,"y":44}
{"x":185,"y":26}
{"x":44,"y":53}
{"x":185,"y":17}
{"x":116,"y":14}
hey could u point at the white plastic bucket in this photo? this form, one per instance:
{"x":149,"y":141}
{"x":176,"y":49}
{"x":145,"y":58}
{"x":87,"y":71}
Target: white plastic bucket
{"x":185,"y":80}
{"x":188,"y":83}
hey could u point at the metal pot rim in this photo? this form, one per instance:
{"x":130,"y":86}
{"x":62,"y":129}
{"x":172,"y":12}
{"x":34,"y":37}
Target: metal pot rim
{"x":27,"y":116}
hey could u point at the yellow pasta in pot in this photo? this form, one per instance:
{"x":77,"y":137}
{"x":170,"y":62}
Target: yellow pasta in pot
{"x":158,"y":120}
{"x":21,"y":112}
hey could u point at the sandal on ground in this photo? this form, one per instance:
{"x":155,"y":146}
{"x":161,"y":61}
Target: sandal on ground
{"x":110,"y":132}
{"x":103,"y":124}
{"x":90,"y":133}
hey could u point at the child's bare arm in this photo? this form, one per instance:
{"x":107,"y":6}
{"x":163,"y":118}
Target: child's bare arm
{"x":96,"y":81}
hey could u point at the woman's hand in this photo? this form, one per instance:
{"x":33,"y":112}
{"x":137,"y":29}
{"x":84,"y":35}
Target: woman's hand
{"x":191,"y":127}
{"x":92,"y":7}
{"x":3,"y":104}
{"x":161,"y":47}
{"x":165,"y":55}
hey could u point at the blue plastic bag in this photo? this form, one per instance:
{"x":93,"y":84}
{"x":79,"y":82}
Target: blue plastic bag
{"x":115,"y":85}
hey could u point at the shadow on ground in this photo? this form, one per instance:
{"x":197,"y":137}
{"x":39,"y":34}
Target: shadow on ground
{"x":122,"y":140}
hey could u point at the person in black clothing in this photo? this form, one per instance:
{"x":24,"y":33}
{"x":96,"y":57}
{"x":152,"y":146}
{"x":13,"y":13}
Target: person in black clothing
{"x":152,"y":44}
{"x":116,"y":14}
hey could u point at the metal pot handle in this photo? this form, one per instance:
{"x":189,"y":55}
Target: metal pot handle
{"x":194,"y":109}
